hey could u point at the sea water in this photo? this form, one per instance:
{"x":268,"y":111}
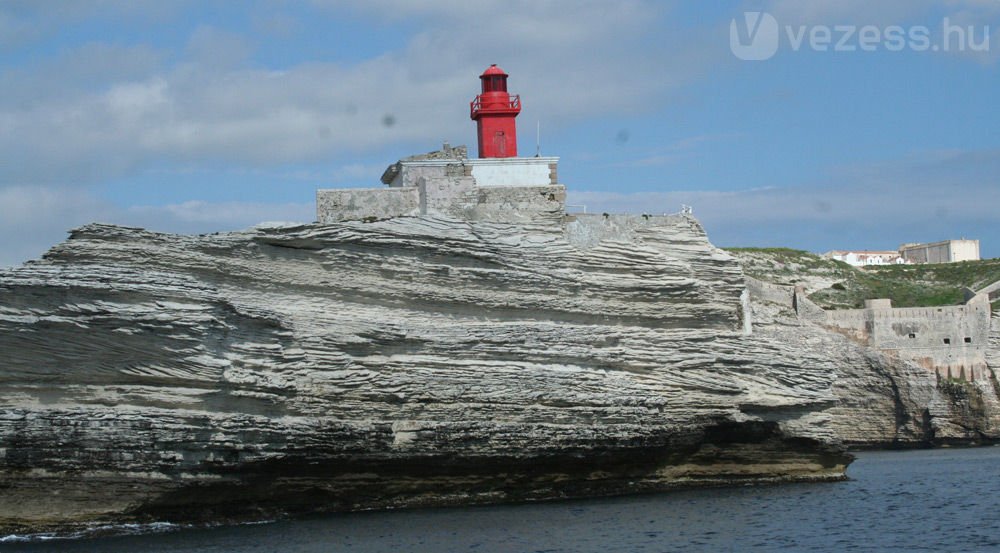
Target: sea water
{"x":933,"y":500}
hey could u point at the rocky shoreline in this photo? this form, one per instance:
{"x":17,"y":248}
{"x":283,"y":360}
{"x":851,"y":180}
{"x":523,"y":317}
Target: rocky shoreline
{"x":420,"y":361}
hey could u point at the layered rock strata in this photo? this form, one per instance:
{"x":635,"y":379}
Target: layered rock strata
{"x":412,"y":361}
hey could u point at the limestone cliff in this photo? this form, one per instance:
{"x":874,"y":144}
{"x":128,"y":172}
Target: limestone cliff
{"x":412,"y":361}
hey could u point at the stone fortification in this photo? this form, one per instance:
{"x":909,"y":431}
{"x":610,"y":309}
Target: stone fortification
{"x":366,"y":204}
{"x":447,"y":183}
{"x":769,"y":292}
{"x":950,"y":340}
{"x":893,"y":390}
{"x":992,"y":291}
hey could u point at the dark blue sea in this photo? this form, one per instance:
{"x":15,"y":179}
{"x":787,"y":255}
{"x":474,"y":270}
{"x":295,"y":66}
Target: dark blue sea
{"x":940,"y":500}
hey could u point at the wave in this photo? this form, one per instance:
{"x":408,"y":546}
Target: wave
{"x":96,"y":530}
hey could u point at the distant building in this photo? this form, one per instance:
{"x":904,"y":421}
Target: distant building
{"x":865,"y":258}
{"x":947,"y":251}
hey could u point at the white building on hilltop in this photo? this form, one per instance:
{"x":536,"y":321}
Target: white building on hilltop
{"x":946,"y":251}
{"x":866,"y":258}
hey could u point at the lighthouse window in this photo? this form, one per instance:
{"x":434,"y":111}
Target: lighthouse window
{"x":968,"y":340}
{"x":947,"y":340}
{"x":494,"y":83}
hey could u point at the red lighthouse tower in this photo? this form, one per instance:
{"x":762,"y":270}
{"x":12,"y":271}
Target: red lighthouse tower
{"x":494,"y":111}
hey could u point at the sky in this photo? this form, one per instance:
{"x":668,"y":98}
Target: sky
{"x":858,"y":124}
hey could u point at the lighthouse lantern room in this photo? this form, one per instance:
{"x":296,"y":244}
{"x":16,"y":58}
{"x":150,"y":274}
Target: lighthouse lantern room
{"x":494,"y":111}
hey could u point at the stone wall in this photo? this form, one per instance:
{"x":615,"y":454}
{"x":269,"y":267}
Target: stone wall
{"x":446,"y":183}
{"x":950,"y":340}
{"x":411,"y":172}
{"x":359,"y":204}
{"x":445,"y":195}
{"x":456,"y":197}
{"x":993,"y":290}
{"x":443,"y":191}
{"x":516,"y":204}
{"x":773,"y":293}
{"x":446,"y":155}
{"x":587,"y":230}
{"x":993,"y":351}
{"x":805,"y":308}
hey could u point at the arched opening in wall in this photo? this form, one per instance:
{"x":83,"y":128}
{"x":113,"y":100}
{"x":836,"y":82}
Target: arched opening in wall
{"x":912,"y":335}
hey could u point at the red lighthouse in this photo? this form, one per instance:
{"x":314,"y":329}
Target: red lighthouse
{"x":494,"y":111}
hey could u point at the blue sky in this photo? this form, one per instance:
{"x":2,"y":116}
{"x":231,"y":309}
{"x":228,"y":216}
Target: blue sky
{"x":206,"y":116}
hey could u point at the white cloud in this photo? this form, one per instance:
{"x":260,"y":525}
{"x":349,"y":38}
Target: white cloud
{"x":65,"y":127}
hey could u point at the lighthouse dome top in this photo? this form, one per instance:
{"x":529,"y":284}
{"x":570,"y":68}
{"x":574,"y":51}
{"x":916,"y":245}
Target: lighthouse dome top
{"x":493,"y":70}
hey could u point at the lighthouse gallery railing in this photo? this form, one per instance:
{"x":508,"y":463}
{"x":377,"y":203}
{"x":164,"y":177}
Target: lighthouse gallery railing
{"x":477,"y":105}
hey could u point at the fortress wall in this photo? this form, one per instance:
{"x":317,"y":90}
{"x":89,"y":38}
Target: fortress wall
{"x":412,"y":172}
{"x":855,"y":319}
{"x":951,"y":340}
{"x":445,"y":195}
{"x":805,"y":307}
{"x":774,"y":293}
{"x":507,"y":190}
{"x":993,"y":290}
{"x":851,"y":322}
{"x":993,"y":349}
{"x":363,"y":203}
{"x":587,"y":230}
{"x":515,"y":203}
{"x":453,"y":196}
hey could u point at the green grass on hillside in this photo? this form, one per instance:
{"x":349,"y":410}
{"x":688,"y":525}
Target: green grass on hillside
{"x":787,"y":262}
{"x":905,"y":285}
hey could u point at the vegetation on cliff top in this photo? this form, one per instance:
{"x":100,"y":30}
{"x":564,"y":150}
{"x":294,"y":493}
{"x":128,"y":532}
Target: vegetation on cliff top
{"x":837,"y":285}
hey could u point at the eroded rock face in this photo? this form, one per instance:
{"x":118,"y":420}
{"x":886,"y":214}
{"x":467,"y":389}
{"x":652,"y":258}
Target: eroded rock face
{"x":413,"y":361}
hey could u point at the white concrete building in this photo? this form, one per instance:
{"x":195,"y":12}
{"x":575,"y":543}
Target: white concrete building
{"x":946,"y":251}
